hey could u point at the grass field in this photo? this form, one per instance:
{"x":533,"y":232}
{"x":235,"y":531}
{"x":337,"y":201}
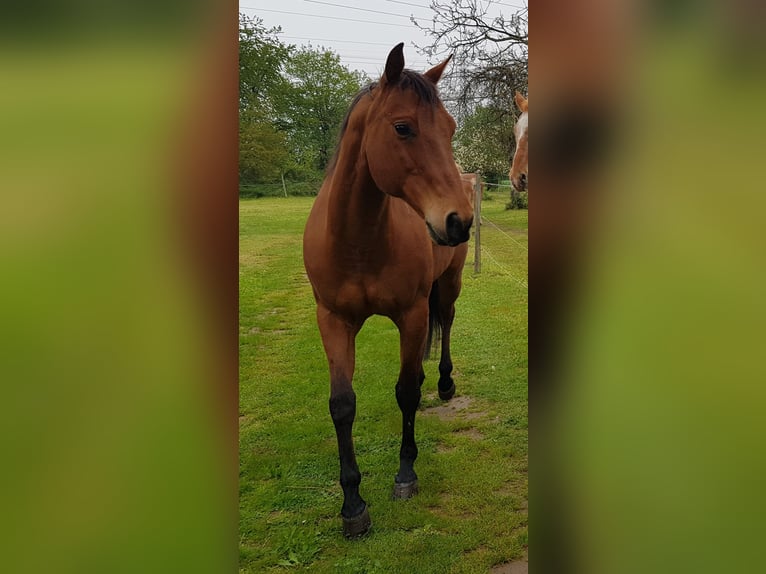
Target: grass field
{"x":471,"y":512}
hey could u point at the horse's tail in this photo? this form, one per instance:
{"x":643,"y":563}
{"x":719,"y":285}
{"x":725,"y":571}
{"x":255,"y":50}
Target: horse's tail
{"x":434,"y":320}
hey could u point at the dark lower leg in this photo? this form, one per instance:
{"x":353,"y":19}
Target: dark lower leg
{"x":413,"y":329}
{"x":343,"y":411}
{"x":446,"y":384}
{"x":408,"y":398}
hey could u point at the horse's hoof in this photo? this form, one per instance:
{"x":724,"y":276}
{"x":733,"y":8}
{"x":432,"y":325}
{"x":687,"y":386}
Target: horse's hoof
{"x":448,"y":394}
{"x":357,"y":526}
{"x":404,"y":490}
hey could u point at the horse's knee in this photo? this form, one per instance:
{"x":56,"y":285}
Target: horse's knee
{"x":343,"y":407}
{"x":408,"y":396}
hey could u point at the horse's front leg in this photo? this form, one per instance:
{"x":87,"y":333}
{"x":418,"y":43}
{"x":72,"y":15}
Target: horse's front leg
{"x":413,"y":330}
{"x":338,"y":338}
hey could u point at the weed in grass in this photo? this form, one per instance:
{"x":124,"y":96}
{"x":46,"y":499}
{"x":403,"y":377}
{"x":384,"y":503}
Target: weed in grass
{"x":297,"y":546}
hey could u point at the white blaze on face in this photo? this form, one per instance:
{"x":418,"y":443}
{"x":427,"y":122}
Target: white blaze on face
{"x":521,"y":126}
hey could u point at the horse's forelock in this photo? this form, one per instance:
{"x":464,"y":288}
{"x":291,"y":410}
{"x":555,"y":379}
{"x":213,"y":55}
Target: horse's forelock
{"x":422,"y":86}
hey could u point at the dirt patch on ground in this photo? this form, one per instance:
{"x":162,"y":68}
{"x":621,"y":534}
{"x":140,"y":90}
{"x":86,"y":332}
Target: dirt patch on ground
{"x":473,"y":434}
{"x":515,"y":567}
{"x":259,"y":331}
{"x":511,"y":488}
{"x":447,"y":507}
{"x":456,"y":408}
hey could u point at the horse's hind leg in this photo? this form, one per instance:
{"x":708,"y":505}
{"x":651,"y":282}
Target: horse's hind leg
{"x":338,"y":339}
{"x":449,"y":288}
{"x":446,"y":385}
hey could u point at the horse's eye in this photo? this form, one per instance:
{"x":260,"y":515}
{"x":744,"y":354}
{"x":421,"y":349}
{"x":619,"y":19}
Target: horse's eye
{"x":403,"y":130}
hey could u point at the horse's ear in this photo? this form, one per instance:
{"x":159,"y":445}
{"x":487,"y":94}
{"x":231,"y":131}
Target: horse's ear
{"x":394,"y":65}
{"x":521,"y":101}
{"x":436,"y":72}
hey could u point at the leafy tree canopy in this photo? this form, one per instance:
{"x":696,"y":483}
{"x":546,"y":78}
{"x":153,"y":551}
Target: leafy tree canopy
{"x":490,"y":53}
{"x":292,"y":102}
{"x":262,"y":57}
{"x":320,"y":92}
{"x":481,"y":143}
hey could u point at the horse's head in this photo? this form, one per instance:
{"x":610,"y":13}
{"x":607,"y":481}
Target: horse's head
{"x":518,"y":174}
{"x":407,"y":145}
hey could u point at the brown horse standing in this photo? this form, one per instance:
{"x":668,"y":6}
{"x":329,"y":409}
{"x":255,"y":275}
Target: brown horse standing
{"x":386,"y":236}
{"x":519,"y":167}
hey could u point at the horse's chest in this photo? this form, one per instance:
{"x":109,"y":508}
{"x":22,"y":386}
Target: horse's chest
{"x":391,"y":293}
{"x":386,"y":292}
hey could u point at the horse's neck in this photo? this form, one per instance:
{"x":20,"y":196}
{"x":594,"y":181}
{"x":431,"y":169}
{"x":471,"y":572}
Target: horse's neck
{"x":357,"y":210}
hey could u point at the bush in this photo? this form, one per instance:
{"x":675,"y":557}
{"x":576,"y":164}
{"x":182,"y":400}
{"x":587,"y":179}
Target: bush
{"x":294,"y":188}
{"x":518,"y":200}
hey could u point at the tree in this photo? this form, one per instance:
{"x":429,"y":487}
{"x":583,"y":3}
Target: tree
{"x":291,"y":104}
{"x":320,"y":92}
{"x":262,"y":57}
{"x":263,"y":150}
{"x":490,"y":53}
{"x":481,"y":143}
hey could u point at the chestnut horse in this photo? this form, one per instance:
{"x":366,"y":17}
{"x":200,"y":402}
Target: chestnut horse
{"x":518,"y":173}
{"x":386,"y":236}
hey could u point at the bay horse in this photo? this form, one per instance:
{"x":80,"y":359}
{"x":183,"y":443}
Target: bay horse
{"x":387,"y":236}
{"x":518,"y":173}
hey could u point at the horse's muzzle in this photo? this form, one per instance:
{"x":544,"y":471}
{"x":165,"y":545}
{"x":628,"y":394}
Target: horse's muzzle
{"x":521,"y":183}
{"x":458,"y":231}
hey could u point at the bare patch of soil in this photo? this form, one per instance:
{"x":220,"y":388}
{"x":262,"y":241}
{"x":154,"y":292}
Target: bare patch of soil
{"x":259,"y":330}
{"x":515,"y":567}
{"x":457,"y":407}
{"x":473,"y":434}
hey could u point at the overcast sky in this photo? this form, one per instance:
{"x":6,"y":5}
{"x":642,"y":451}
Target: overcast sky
{"x":361,"y":32}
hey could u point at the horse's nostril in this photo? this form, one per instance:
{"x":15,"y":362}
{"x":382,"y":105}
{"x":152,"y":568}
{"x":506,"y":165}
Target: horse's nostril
{"x":523,"y":178}
{"x":457,"y":232}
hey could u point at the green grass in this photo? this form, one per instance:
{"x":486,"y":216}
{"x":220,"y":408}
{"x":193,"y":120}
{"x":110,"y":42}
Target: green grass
{"x":470,"y":513}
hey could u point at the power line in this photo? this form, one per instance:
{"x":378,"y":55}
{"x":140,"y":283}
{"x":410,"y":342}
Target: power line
{"x":357,"y":60}
{"x":326,"y":17}
{"x":336,"y":40}
{"x":509,"y":5}
{"x":409,"y":4}
{"x":360,"y":9}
